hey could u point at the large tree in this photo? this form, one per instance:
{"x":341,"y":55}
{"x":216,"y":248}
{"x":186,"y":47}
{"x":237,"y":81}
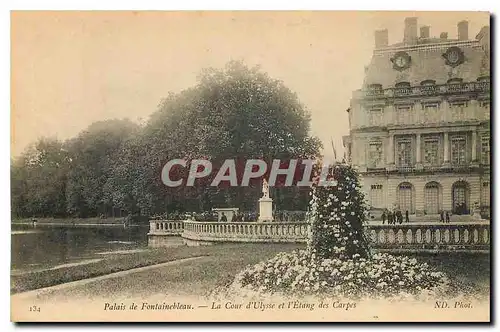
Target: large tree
{"x":38,"y":180}
{"x":93,"y":154}
{"x":232,"y":113}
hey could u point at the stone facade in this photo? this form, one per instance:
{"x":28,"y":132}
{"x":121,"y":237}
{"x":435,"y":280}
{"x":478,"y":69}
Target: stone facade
{"x":420,"y":124}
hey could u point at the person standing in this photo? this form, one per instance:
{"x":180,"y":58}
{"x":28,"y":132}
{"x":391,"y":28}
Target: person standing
{"x":441,"y":216}
{"x":447,"y":217}
{"x":223,"y":218}
{"x":407,"y":216}
{"x":389,"y":218}
{"x":400,"y":217}
{"x":383,"y":217}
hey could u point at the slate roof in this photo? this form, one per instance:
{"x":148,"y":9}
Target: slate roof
{"x":427,"y":64}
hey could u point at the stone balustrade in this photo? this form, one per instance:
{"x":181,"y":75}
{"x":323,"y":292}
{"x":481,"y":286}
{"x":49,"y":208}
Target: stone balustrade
{"x":472,"y":237}
{"x":166,"y":227}
{"x":423,"y":90}
{"x":246,"y":231}
{"x":433,"y":237}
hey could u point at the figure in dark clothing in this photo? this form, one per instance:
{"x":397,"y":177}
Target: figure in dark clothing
{"x":383,"y":217}
{"x":223,"y":218}
{"x":407,"y":216}
{"x":234,"y":218}
{"x":441,"y":216}
{"x":399,"y":217}
{"x":447,"y":217}
{"x":389,"y":218}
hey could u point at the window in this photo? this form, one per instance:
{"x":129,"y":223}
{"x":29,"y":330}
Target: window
{"x":404,"y":114}
{"x":375,"y":89}
{"x":404,"y":108}
{"x":403,"y":85}
{"x":430,"y":112}
{"x":428,"y":82}
{"x":431,"y":151}
{"x":485,"y":150}
{"x":454,"y":81}
{"x":375,"y":154}
{"x":402,"y":89}
{"x":458,"y":110}
{"x":375,"y":116}
{"x":405,"y":152}
{"x":430,"y":106}
{"x":405,"y":197}
{"x":458,"y":150}
{"x":485,"y":194}
{"x":459,"y":104}
{"x":376,"y":196}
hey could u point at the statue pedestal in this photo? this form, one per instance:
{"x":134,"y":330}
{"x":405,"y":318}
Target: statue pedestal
{"x":265,"y":209}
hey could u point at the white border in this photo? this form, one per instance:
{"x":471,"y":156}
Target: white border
{"x":6,"y":6}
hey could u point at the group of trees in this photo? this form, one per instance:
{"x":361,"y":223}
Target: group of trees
{"x":115,"y":166}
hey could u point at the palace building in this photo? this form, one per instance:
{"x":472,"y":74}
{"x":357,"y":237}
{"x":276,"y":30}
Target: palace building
{"x":420,"y":124}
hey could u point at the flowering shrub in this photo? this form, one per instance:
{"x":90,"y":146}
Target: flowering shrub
{"x":337,"y":215}
{"x":299,"y":274}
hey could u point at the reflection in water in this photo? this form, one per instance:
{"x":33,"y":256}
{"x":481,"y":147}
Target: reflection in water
{"x":52,"y":245}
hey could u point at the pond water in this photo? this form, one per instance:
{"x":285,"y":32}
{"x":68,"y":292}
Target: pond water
{"x":41,"y":247}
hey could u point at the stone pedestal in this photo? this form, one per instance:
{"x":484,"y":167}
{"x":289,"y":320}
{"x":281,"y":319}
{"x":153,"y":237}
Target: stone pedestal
{"x":476,"y":212}
{"x":265,"y":209}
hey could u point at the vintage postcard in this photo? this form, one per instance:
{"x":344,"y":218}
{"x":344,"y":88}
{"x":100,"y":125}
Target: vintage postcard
{"x":243,"y":166}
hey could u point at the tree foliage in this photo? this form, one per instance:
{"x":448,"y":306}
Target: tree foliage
{"x":232,"y":113}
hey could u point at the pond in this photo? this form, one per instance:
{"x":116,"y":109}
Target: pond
{"x":41,"y":247}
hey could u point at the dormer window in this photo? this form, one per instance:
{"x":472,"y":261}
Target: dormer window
{"x":402,"y":89}
{"x":455,"y":80}
{"x":428,"y":83}
{"x":375,"y":89}
{"x":403,"y":85}
{"x":428,"y":87}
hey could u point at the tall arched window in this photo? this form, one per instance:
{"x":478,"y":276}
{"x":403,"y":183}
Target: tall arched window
{"x":406,"y":197}
{"x":432,"y":198}
{"x":460,"y":197}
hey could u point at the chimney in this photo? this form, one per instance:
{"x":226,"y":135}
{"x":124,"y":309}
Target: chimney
{"x":443,"y":35}
{"x":381,"y":38}
{"x":484,"y":38}
{"x":425,"y":31}
{"x":463,"y":30}
{"x":411,"y":31}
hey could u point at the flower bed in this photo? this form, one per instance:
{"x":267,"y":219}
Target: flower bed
{"x":300,"y":273}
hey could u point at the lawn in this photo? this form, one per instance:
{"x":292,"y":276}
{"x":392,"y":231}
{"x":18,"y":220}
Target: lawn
{"x":218,"y":266}
{"x":238,"y":256}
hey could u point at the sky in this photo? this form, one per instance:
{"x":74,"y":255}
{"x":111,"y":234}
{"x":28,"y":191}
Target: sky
{"x":69,"y":69}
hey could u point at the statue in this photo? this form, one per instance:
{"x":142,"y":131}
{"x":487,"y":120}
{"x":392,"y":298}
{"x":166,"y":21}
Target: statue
{"x":265,"y":204}
{"x":476,"y":210}
{"x":265,"y":189}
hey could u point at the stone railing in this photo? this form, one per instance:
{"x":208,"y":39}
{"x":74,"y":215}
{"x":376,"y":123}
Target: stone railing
{"x":441,"y":237}
{"x":166,"y":227}
{"x":245,"y":231}
{"x":472,"y":237}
